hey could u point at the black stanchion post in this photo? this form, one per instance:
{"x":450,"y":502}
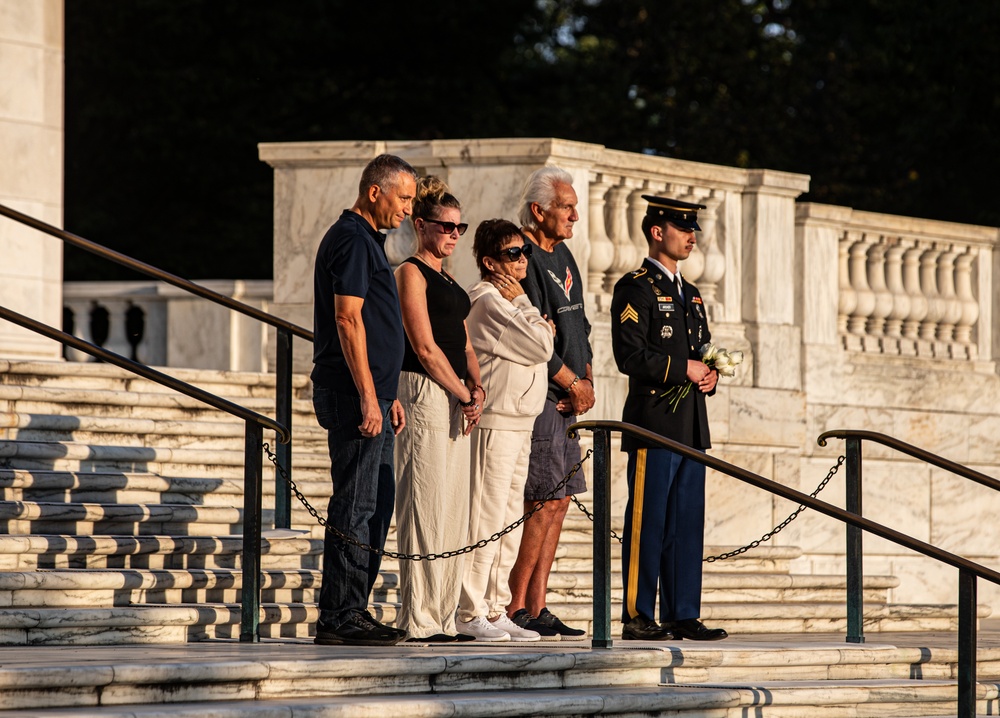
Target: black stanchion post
{"x":252,"y":484}
{"x":966,"y":644}
{"x":602,"y":539}
{"x":283,"y":413}
{"x":855,"y":550}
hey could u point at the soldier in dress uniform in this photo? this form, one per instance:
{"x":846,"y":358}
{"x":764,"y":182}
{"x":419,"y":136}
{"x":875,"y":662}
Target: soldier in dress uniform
{"x":658,"y":326}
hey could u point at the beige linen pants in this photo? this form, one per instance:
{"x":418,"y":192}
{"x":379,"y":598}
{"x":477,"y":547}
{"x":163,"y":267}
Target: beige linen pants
{"x":432,"y":504}
{"x":499,"y":470}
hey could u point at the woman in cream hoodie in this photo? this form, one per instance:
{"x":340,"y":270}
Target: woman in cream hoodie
{"x":512,"y":342}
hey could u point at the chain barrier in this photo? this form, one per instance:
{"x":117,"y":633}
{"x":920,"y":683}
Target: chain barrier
{"x":753,"y":544}
{"x":413,"y":556}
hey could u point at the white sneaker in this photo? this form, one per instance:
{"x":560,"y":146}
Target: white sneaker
{"x":515,"y":631}
{"x":482,"y":629}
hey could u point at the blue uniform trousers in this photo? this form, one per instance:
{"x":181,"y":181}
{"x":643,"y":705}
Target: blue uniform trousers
{"x":664,"y":535}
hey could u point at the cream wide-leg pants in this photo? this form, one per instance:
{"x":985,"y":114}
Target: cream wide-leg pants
{"x":499,"y":470}
{"x":432,"y":505}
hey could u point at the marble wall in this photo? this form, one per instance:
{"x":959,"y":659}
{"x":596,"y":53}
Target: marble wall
{"x":31,"y":144}
{"x":848,"y":320}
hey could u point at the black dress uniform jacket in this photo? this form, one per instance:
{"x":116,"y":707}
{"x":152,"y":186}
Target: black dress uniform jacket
{"x":654,"y":334}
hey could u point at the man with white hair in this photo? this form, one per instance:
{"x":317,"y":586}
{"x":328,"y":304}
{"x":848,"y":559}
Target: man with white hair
{"x":553,"y":284}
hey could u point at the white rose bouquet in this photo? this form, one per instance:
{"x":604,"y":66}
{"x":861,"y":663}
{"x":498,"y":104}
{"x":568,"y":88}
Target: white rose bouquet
{"x":717,"y":358}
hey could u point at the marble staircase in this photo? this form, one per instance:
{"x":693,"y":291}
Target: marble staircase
{"x":121,"y":521}
{"x":735,"y":679}
{"x":120,"y":535}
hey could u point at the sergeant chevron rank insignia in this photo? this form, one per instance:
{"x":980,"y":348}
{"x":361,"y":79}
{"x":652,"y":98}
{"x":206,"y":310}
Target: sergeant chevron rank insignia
{"x":629,"y":313}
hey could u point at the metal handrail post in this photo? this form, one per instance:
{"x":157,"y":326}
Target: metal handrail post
{"x":602,"y":540}
{"x":855,"y":549}
{"x":252,"y":485}
{"x":966,"y":644}
{"x":283,"y":414}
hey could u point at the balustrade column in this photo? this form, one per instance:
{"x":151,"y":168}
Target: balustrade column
{"x":900,"y":298}
{"x":935,"y":304}
{"x":967,"y":298}
{"x":80,"y":312}
{"x":715,"y":260}
{"x":625,"y":258}
{"x":858,"y":266}
{"x":882,"y":306}
{"x":636,"y":211}
{"x":602,"y":249}
{"x":918,"y":301}
{"x":952,"y":305}
{"x":847,"y":296}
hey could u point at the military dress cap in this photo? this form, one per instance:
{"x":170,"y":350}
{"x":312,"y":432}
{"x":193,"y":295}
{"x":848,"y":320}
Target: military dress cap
{"x":683,"y":214}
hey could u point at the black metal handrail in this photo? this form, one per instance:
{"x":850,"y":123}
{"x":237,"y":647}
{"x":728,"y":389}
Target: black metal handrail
{"x":968,"y":571}
{"x":914,"y":451}
{"x":283,"y":349}
{"x":252,"y":457}
{"x":853,"y":480}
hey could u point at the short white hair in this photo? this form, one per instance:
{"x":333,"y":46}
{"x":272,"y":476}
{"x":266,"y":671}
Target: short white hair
{"x":541,"y":189}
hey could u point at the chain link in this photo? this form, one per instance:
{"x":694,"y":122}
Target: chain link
{"x":413,"y":556}
{"x":753,"y":544}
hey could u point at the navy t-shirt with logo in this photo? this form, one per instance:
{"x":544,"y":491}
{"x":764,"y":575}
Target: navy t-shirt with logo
{"x":351,"y":261}
{"x":553,"y":285}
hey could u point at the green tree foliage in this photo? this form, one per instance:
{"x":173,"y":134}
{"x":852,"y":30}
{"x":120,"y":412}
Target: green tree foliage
{"x":889,"y":105}
{"x":167,"y":100}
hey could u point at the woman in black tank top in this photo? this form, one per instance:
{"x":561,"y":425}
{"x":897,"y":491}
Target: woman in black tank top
{"x":440,"y":391}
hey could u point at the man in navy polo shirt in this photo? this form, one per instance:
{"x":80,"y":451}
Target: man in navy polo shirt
{"x":357,"y":356}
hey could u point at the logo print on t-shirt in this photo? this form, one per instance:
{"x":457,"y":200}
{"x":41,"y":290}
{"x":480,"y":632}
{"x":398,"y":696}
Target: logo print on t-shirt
{"x":565,"y":286}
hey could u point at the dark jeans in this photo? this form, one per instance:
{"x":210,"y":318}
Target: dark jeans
{"x":364,"y":490}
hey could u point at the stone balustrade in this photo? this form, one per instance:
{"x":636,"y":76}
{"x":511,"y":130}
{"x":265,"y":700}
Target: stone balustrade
{"x":161,"y":325}
{"x":908,"y":287}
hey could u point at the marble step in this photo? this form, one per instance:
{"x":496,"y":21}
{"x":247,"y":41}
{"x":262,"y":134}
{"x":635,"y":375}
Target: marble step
{"x":148,"y":405}
{"x":66,"y":456}
{"x":155,"y":623}
{"x":31,"y":552}
{"x":797,"y":617}
{"x":831,"y":699}
{"x":132,"y":487}
{"x":70,"y":589}
{"x":733,"y":587}
{"x":287,"y":678}
{"x":123,"y":431}
{"x":88,"y":519}
{"x":99,"y":375}
{"x":106,"y":587}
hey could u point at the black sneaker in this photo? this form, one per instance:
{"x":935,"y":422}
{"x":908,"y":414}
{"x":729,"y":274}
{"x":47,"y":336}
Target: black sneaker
{"x":360,"y":629}
{"x":525,"y":620}
{"x":547,"y":618}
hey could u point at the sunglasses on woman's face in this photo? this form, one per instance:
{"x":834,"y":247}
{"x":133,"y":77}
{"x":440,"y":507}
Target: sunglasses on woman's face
{"x":512,"y":254}
{"x":449,"y":227}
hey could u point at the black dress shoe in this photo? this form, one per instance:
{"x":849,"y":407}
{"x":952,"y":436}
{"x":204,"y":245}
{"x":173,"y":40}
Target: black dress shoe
{"x":360,"y":629}
{"x":694,"y":630}
{"x":641,"y":628}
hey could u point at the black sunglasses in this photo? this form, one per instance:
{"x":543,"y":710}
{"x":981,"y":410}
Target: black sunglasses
{"x":449,"y":227}
{"x":514,"y":253}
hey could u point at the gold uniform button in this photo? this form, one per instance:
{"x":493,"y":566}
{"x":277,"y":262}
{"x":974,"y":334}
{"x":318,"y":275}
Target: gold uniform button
{"x":652,"y":391}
